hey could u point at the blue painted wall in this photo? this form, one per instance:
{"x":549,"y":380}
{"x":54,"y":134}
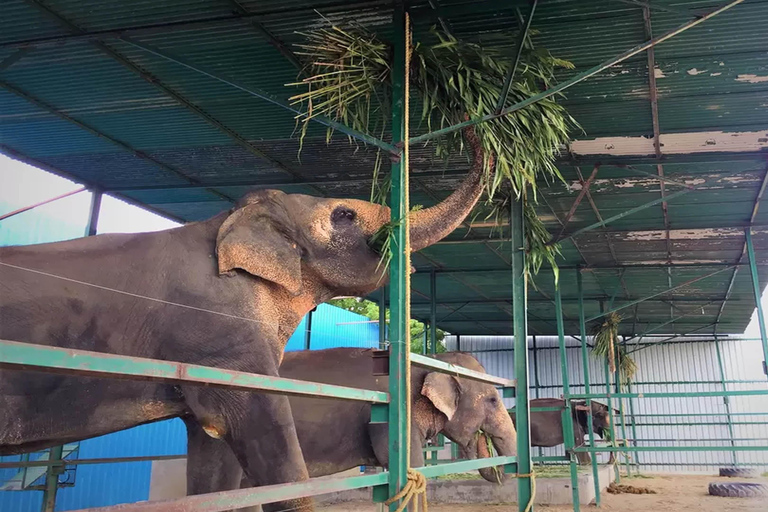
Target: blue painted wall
{"x":99,"y":485}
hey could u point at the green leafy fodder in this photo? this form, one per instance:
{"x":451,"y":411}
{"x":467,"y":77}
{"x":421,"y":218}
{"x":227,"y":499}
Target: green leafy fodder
{"x":606,"y":345}
{"x":348,"y":78}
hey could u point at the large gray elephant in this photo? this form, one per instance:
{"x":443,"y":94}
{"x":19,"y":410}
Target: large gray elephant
{"x":225,"y":292}
{"x":336,"y":435}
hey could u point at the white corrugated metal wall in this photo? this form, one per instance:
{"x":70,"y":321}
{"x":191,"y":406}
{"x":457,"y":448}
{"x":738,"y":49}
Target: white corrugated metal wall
{"x":682,"y":365}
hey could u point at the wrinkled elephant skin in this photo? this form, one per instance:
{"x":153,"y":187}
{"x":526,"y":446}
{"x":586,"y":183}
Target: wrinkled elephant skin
{"x":225,"y":292}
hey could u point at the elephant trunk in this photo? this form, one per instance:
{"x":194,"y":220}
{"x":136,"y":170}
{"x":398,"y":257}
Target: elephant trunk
{"x":493,"y":474}
{"x":432,"y":224}
{"x":479,"y":449}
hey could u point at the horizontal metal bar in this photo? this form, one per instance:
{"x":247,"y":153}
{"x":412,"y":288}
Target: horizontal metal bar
{"x":701,"y":414}
{"x":638,"y":301}
{"x":262,"y":95}
{"x":543,"y":409}
{"x":592,"y":268}
{"x":442,"y":366}
{"x":26,"y":356}
{"x":619,"y":216}
{"x":249,"y":497}
{"x":552,"y":458}
{"x":78,"y":462}
{"x":41,"y":203}
{"x":729,"y":448}
{"x":575,"y":79}
{"x":755,"y":392}
{"x":465,"y":465}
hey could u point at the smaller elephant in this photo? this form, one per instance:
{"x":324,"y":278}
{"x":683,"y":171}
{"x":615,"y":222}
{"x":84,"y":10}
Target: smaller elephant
{"x":547,"y":426}
{"x":336,"y":435}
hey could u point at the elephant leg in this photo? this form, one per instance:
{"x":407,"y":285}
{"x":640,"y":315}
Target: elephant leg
{"x":259,"y":430}
{"x":211,"y":465}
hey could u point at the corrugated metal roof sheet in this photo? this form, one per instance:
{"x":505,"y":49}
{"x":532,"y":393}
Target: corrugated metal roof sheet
{"x":713,"y":78}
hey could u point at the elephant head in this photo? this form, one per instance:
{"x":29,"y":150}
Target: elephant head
{"x":600,"y":416}
{"x":320,"y":248}
{"x":465,"y":407}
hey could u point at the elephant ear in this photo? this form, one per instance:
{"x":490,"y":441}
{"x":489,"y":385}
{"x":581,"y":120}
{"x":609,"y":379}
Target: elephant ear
{"x":443,"y":391}
{"x":250,"y":239}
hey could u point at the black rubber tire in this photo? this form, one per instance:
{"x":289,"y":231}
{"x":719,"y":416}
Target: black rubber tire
{"x":740,"y":472}
{"x":738,"y":489}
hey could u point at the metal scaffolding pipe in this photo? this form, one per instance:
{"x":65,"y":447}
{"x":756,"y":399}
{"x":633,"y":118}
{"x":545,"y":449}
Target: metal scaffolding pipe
{"x":520,"y":329}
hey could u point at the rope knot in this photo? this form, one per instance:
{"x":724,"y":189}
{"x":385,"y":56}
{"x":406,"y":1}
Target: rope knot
{"x":416,"y":484}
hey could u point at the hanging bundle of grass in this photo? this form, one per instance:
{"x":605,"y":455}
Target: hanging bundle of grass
{"x":348,"y":79}
{"x":606,"y":345}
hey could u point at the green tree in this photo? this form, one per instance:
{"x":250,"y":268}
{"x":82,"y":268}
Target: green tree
{"x":370,"y":310}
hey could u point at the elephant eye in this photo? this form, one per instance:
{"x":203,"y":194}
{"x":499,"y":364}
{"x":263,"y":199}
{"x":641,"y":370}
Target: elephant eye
{"x":493,"y":400}
{"x":342,"y":214}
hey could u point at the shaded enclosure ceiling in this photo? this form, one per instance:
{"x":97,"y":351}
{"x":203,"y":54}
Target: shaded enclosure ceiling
{"x":79,"y":101}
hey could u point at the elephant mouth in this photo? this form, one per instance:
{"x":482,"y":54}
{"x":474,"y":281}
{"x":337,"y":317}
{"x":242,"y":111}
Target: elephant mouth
{"x":482,"y":446}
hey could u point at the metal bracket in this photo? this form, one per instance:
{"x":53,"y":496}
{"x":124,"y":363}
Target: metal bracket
{"x":380,"y":362}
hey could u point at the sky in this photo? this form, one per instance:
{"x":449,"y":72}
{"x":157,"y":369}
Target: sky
{"x":22,"y":185}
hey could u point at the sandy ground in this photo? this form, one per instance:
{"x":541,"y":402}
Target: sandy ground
{"x":676,"y":493}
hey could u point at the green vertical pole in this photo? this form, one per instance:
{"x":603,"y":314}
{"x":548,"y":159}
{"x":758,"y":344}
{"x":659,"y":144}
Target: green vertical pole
{"x":308,"y":331}
{"x":433,"y":344}
{"x":519,"y":305}
{"x":93,"y":216}
{"x":621,"y":413}
{"x":52,"y":479}
{"x":536,"y":383}
{"x":458,"y":343}
{"x":585,"y":363}
{"x":612,"y":426}
{"x":726,"y":400}
{"x":383,"y":319}
{"x":567,"y":418}
{"x":756,"y":288}
{"x":636,"y":455}
{"x":399,"y":343}
{"x":424,"y":340}
{"x":433,"y":313}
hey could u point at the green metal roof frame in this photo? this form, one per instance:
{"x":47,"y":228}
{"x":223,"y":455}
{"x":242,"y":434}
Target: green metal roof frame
{"x":87,"y":91}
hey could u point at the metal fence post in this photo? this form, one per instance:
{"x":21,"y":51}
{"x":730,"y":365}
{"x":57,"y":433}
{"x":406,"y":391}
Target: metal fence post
{"x":383,"y":318}
{"x":756,"y":288}
{"x":308,"y":331}
{"x":399,"y":332}
{"x":621,"y":413}
{"x":585,"y":363}
{"x":634,"y":426}
{"x":52,"y":479}
{"x":568,"y":434}
{"x":432,"y":312}
{"x":522,"y":407}
{"x":93,"y":216}
{"x":726,"y":400}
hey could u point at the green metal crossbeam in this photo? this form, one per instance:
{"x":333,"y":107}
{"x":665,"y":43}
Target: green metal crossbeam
{"x":459,"y":371}
{"x":27,"y":356}
{"x":465,"y":465}
{"x":620,"y":449}
{"x":638,"y":301}
{"x":253,"y":91}
{"x":576,"y":79}
{"x":681,"y":394}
